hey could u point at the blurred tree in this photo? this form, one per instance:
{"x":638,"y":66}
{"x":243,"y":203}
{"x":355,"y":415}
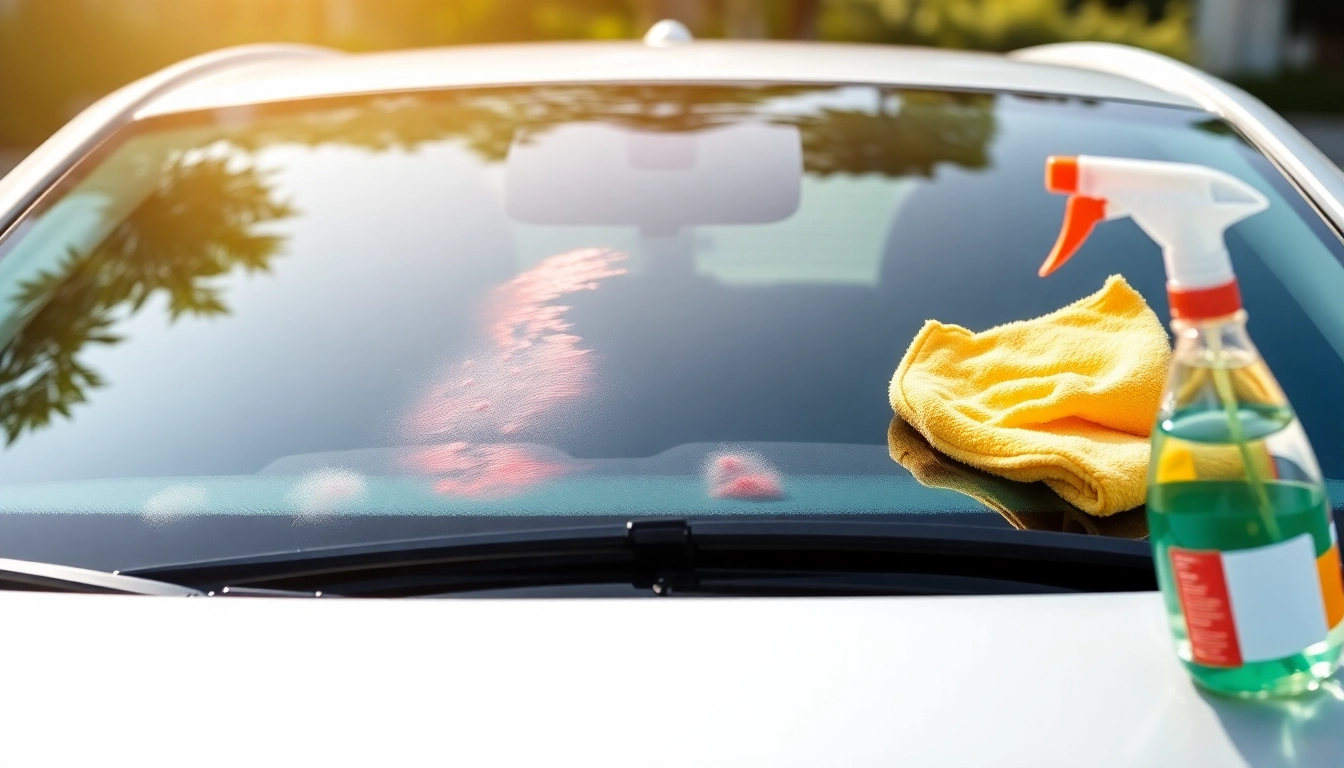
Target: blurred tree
{"x":738,"y":19}
{"x":58,"y":56}
{"x":1004,"y":25}
{"x":198,"y":223}
{"x":1323,"y":22}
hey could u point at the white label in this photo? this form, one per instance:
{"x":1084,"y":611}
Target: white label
{"x":1275,"y":593}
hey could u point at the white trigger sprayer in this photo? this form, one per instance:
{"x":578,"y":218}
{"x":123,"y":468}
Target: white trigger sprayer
{"x":1184,"y":207}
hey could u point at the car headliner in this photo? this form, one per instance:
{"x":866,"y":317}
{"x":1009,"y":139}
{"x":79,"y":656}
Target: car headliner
{"x":316,"y":76}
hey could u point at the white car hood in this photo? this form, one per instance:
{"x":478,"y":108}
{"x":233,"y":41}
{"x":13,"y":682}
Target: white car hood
{"x":1070,"y":680}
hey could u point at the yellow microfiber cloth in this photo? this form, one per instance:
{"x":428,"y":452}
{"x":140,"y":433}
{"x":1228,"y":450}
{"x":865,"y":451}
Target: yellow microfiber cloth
{"x":1067,"y":399}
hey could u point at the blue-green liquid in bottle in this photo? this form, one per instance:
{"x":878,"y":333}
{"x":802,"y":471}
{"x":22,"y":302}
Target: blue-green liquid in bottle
{"x":1224,"y":514}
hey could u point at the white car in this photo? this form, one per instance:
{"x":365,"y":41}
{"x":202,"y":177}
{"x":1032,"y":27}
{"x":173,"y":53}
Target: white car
{"x":556,"y":327}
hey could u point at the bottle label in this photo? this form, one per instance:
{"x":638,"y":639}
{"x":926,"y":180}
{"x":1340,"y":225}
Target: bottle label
{"x":1257,"y":604}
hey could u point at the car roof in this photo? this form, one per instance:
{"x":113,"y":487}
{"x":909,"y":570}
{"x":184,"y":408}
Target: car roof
{"x":285,"y":79}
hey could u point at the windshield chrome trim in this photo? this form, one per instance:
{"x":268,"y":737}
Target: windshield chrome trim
{"x":66,"y":578}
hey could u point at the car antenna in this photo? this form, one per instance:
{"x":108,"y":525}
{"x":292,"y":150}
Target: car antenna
{"x":668,"y":32}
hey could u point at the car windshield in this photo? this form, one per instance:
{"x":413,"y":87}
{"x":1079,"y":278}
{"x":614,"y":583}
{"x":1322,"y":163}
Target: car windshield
{"x":266,"y":327}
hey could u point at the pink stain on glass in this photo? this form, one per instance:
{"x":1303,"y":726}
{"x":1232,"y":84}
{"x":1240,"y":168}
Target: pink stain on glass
{"x":744,"y":476}
{"x":483,"y":471}
{"x":533,"y":362}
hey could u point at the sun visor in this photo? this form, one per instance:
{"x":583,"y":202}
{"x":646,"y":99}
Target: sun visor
{"x":595,"y":174}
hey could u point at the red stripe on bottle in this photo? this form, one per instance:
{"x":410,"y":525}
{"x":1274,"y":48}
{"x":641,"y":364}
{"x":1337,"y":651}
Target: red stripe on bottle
{"x":1202,"y":589}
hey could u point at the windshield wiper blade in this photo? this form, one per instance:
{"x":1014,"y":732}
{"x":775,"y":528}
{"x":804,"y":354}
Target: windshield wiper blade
{"x":535,"y":555}
{"x":677,"y":555}
{"x":30,"y":576}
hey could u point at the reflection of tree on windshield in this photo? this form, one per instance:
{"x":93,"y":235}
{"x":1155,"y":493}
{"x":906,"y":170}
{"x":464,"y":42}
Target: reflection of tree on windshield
{"x":198,"y":223}
{"x":908,"y":139}
{"x":901,"y":133}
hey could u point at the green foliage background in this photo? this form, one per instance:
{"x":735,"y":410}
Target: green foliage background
{"x":995,"y":25}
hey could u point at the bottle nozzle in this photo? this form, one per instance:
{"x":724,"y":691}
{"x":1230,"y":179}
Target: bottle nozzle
{"x":1061,"y":174}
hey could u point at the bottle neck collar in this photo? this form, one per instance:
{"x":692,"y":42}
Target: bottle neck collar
{"x":1201,"y":304}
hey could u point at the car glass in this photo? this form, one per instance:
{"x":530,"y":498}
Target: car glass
{"x":244,"y":330}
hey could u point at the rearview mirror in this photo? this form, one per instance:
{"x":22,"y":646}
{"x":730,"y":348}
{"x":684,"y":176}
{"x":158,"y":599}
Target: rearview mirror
{"x":595,"y":174}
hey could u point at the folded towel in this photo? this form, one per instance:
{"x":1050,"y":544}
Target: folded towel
{"x":1067,"y":399}
{"x":1026,"y":506}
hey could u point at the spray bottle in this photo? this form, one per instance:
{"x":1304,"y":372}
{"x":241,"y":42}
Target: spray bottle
{"x":1246,"y":551}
